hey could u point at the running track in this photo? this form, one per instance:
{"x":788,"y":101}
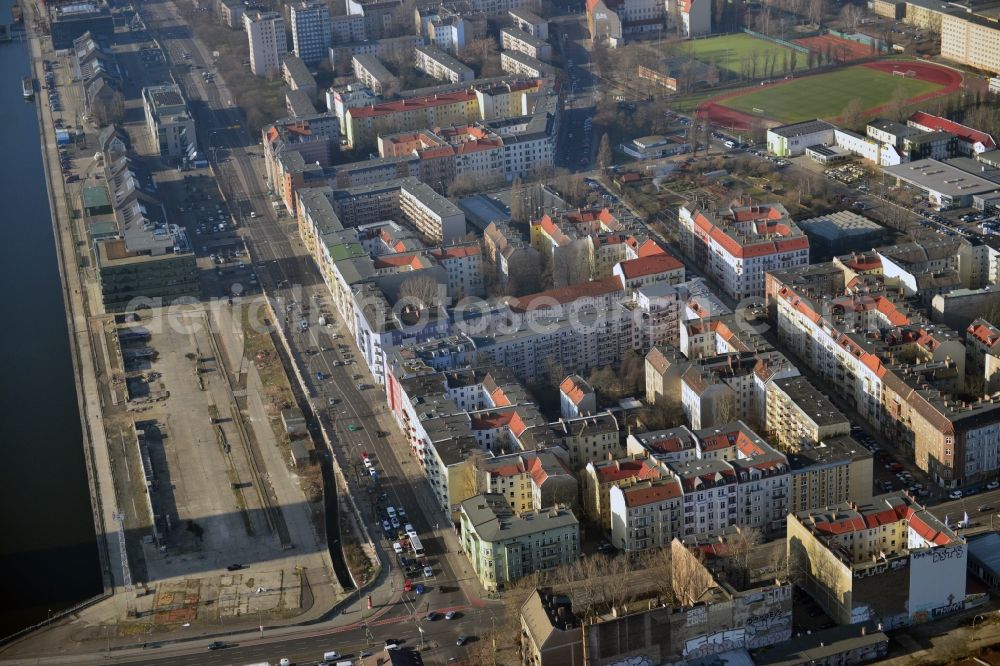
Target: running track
{"x":949,"y":79}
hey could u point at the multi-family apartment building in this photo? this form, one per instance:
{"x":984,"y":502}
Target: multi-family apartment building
{"x":576,"y":397}
{"x":798,"y":414}
{"x":521,"y":64}
{"x":311,"y":30}
{"x":971,"y":41}
{"x":441,"y":65}
{"x":372,"y":74}
{"x":503,"y":546}
{"x":600,"y":476}
{"x":365,"y":124}
{"x":738,"y":246}
{"x":169,"y":122}
{"x":887,"y":560}
{"x":645,"y":514}
{"x":530,"y":480}
{"x":724,"y":476}
{"x":516,"y":263}
{"x":231,"y":13}
{"x":693,"y":16}
{"x":266,"y":38}
{"x":464,"y":263}
{"x":515,"y":39}
{"x":837,"y":469}
{"x":347,"y":29}
{"x":902,"y":374}
{"x":297,"y":75}
{"x":982,"y":342}
{"x":729,"y":386}
{"x":530,"y":22}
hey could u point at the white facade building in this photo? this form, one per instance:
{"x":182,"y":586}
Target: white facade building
{"x":266,"y":37}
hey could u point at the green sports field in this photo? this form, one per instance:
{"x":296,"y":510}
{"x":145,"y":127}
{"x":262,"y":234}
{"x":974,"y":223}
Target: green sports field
{"x":730,"y":51}
{"x":826,"y":95}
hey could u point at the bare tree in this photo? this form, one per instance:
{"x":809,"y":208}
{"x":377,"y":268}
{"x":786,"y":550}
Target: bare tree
{"x":422,"y":291}
{"x":851,"y":16}
{"x":739,"y":547}
{"x":482,"y":55}
{"x":604,"y":155}
{"x":690,"y":577}
{"x":853,"y":113}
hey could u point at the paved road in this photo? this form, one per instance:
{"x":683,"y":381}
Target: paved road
{"x":439,"y":642}
{"x":289,"y":275}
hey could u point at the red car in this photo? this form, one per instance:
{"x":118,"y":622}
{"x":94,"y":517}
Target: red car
{"x":407,"y":586}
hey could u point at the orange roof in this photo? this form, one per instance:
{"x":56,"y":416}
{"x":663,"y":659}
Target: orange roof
{"x":564,"y":295}
{"x":572,"y":390}
{"x":985,"y":333}
{"x":618,"y":470}
{"x":655,"y":492}
{"x":456,"y":252}
{"x":387,"y":260}
{"x":758,"y":248}
{"x":500,"y":398}
{"x":651,"y":265}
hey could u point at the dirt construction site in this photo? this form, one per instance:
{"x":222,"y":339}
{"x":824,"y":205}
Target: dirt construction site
{"x":221,"y":523}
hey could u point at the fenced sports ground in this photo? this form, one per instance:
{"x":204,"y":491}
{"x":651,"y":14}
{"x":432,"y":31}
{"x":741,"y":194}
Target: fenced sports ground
{"x":827,"y":94}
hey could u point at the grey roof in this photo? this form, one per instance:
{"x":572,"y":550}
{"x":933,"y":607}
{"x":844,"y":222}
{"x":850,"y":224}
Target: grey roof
{"x":298,"y":71}
{"x":834,"y":226}
{"x":821,"y":646}
{"x":802,"y":128}
{"x":493,"y":520}
{"x":938,"y":176}
{"x":374,"y":67}
{"x":527,"y":37}
{"x":810,"y":401}
{"x":299,"y":102}
{"x":831,"y":451}
{"x":893,"y":127}
{"x":446,"y":60}
{"x":315,"y":201}
{"x":986,"y":551}
{"x":527,"y":61}
{"x":527,"y":16}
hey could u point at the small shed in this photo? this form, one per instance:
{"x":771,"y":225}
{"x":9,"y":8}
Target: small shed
{"x":301,"y":452}
{"x":294,"y":422}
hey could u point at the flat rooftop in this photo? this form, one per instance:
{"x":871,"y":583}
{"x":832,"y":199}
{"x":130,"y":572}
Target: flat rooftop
{"x":941,"y":177}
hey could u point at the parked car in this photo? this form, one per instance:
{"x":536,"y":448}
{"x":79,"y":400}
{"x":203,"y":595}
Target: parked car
{"x":955,"y":494}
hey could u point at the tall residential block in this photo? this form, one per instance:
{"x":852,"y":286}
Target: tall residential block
{"x":266,"y":36}
{"x":312,"y":31}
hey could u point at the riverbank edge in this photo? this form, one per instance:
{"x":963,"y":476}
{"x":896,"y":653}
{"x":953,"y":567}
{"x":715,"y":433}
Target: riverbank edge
{"x":99,"y":475}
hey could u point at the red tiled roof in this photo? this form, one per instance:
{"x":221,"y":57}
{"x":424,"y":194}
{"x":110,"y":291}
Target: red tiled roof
{"x":657,"y":492}
{"x":572,"y":390}
{"x":651,"y":265}
{"x":759,"y":248}
{"x":937,"y":123}
{"x":456,"y":252}
{"x":984,"y":334}
{"x":627,"y":469}
{"x":490,"y":421}
{"x":564,"y":295}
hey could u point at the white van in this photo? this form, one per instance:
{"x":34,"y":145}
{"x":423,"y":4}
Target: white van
{"x":330,"y":655}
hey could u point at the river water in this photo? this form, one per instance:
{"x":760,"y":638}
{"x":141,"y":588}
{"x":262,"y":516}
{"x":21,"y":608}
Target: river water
{"x":48,"y":555}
